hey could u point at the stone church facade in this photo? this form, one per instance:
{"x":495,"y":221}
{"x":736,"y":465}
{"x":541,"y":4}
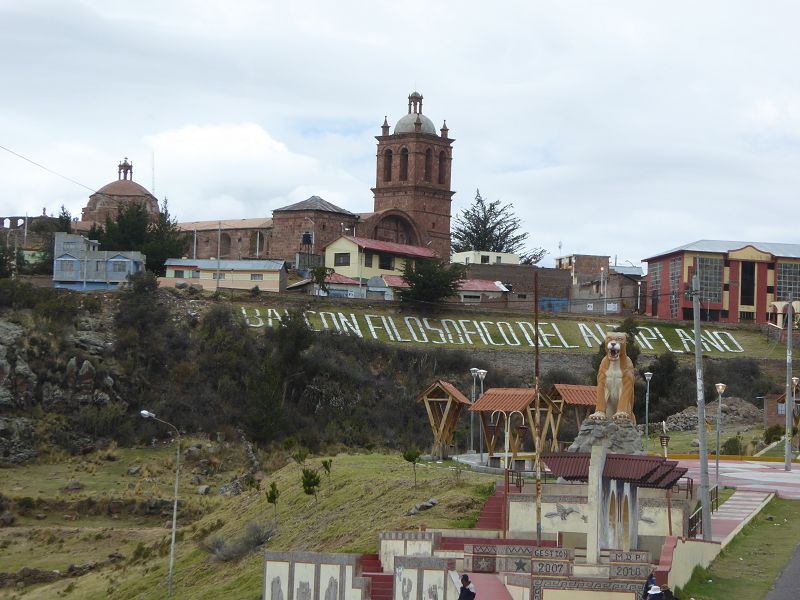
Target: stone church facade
{"x":108,"y":200}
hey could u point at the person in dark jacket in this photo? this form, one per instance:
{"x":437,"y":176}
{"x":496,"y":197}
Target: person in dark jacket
{"x":467,"y":591}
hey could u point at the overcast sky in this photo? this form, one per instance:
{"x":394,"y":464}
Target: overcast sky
{"x":620,"y":128}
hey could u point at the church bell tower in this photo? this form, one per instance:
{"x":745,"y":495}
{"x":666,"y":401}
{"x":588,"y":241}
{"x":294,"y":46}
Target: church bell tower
{"x":413,"y":175}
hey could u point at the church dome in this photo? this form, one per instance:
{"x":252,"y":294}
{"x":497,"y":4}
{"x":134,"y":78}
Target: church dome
{"x":406,"y":124}
{"x":124,"y":187}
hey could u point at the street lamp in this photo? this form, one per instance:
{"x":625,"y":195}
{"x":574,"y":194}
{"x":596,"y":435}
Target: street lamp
{"x":474,"y":372}
{"x":647,"y":376}
{"x":146,"y":414}
{"x":481,"y":375}
{"x":720,"y":390}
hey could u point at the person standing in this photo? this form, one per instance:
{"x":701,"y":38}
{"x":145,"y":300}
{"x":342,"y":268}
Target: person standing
{"x":467,"y":591}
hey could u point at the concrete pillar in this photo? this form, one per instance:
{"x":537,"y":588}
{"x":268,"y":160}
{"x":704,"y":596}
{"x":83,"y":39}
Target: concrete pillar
{"x":597,"y":516}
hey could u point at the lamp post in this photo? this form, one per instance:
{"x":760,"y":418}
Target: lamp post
{"x":481,"y":375}
{"x":647,"y":376}
{"x":720,"y":390}
{"x":638,"y":295}
{"x":474,"y":372}
{"x":795,"y":381}
{"x":787,"y":458}
{"x":146,"y":414}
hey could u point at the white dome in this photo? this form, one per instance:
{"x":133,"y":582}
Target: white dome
{"x":406,"y":124}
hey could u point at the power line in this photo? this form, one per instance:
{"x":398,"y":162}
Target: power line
{"x":49,"y":170}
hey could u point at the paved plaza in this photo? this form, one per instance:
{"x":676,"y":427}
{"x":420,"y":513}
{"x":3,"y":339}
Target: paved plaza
{"x":751,"y":476}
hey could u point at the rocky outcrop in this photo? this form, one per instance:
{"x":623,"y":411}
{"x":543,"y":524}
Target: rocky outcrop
{"x":619,"y":436}
{"x":16,"y":440}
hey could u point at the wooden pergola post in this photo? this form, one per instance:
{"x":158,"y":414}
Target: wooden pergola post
{"x":443,"y":403}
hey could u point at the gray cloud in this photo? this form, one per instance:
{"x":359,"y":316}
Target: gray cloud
{"x":620,"y":128}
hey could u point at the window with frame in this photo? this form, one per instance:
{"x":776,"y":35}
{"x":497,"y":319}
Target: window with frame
{"x":341,"y":259}
{"x":195,"y":274}
{"x":387,"y":165}
{"x":781,"y":408}
{"x":216,"y":275}
{"x":709,"y":272}
{"x":256,"y":277}
{"x":179,"y":274}
{"x":368,"y":259}
{"x":484,"y":259}
{"x":99,"y":265}
{"x":674,"y":285}
{"x":404,"y":164}
{"x":118,"y":266}
{"x":66,"y":265}
{"x":788,"y":282}
{"x":386,"y":262}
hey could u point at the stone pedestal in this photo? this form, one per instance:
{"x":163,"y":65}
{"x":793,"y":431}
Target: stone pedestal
{"x":617,"y":436}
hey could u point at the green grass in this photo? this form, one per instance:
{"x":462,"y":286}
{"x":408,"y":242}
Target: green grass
{"x":367,"y":494}
{"x":680,"y":442}
{"x":751,"y":563}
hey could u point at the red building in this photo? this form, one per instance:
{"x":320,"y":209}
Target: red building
{"x":739,"y":281}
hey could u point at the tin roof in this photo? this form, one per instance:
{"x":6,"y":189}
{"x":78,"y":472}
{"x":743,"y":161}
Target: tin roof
{"x":646,"y":471}
{"x":481,"y":285}
{"x":504,"y":399}
{"x":392,"y":248}
{"x":726,"y":246}
{"x":228,"y":224}
{"x":579,"y":395}
{"x":448,"y":388}
{"x":395,"y":281}
{"x":629,"y":467}
{"x":340,"y":279}
{"x":571,"y":466}
{"x":226,"y":265}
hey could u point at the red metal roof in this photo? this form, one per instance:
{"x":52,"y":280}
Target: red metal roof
{"x":572,"y":466}
{"x":395,"y":281}
{"x":392,"y":248}
{"x":448,"y":388}
{"x":507,"y":399}
{"x":481,"y":285}
{"x":672,"y":478}
{"x":340,"y":279}
{"x":580,"y":395}
{"x":662,"y":471}
{"x":628,"y":467}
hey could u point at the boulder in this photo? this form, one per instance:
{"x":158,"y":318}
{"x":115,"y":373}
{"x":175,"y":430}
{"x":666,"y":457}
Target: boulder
{"x":7,"y":519}
{"x":203,"y":490}
{"x":73,"y":486}
{"x":134,"y":470}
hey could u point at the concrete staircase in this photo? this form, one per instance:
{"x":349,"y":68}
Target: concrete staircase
{"x":491,"y":516}
{"x":382,"y":584}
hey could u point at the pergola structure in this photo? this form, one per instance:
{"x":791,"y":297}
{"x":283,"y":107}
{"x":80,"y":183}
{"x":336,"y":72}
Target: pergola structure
{"x":576,"y":399}
{"x":443,"y":403}
{"x":506,"y":402}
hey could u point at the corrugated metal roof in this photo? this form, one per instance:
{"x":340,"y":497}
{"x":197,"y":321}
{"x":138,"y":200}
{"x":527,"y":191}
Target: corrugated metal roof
{"x":314,"y":203}
{"x":448,"y":388}
{"x":672,"y":478}
{"x":504,"y":399}
{"x":299,"y":284}
{"x":226,"y":265}
{"x":395,"y":281}
{"x":662,"y":471}
{"x":572,"y":466}
{"x":340,"y":279}
{"x":257,"y":223}
{"x":481,"y":285}
{"x":724,"y":246}
{"x":627,"y":467}
{"x":579,"y":395}
{"x":392,"y":248}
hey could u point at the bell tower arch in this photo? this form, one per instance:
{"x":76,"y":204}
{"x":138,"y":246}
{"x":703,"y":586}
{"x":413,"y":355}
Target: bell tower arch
{"x":413,"y":174}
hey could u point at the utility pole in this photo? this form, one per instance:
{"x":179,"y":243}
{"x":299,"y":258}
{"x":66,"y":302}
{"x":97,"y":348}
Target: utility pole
{"x":787,"y":459}
{"x":219,"y":249}
{"x":537,"y":441}
{"x":701,"y":410}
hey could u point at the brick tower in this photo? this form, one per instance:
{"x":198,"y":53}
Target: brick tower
{"x":413,"y":180}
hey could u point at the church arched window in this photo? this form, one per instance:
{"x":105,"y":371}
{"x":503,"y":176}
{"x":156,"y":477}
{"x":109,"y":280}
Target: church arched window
{"x":428,"y":164}
{"x":442,"y":167}
{"x":404,"y":164}
{"x":387,"y":165}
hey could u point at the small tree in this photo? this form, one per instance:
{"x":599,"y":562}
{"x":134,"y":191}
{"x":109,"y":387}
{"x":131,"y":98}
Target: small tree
{"x":412,"y":455}
{"x":327,"y":464}
{"x":300,"y":456}
{"x":272,"y":496}
{"x":431,"y":280}
{"x":320,"y":275}
{"x":311,"y":482}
